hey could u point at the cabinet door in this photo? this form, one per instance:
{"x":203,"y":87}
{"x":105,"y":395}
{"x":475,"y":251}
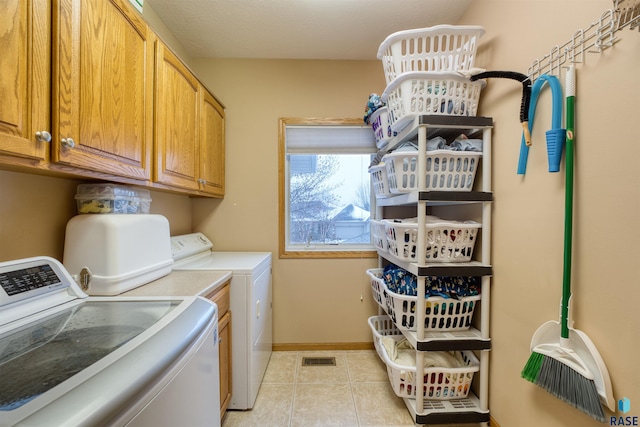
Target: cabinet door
{"x":25,"y":54}
{"x":212,"y":142}
{"x":224,"y":349}
{"x":177,"y":125}
{"x":102,"y":87}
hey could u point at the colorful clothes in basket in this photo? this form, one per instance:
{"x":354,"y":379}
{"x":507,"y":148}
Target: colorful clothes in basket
{"x":400,"y":281}
{"x":373,"y":104}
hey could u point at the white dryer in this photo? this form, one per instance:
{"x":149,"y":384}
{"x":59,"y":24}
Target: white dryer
{"x":251,"y":310}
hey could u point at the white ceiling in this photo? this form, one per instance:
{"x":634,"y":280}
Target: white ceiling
{"x":297,"y":29}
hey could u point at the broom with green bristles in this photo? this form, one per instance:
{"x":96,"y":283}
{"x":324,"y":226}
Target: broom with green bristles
{"x":564,"y":361}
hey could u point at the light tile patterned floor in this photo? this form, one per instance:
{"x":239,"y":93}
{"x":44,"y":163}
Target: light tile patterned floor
{"x":354,"y":393}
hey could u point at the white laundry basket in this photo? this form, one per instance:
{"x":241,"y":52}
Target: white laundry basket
{"x":438,"y":48}
{"x":440,"y":383}
{"x":382,"y":326}
{"x":379,"y":180}
{"x":430,"y":93}
{"x":446,"y":170}
{"x":381,"y":127}
{"x":447,"y":241}
{"x":379,"y":235}
{"x":441,"y":314}
{"x":378,"y":287}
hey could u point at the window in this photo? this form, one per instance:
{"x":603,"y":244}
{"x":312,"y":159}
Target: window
{"x":325,"y":191}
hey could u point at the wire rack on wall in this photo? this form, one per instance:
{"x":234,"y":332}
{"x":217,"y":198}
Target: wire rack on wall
{"x":596,"y":38}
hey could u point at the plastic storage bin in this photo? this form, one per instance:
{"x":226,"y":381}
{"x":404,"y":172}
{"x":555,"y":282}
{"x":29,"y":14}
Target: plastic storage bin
{"x":438,"y":48}
{"x":378,"y":287}
{"x":437,"y":93}
{"x":379,"y":235}
{"x":441,"y":314}
{"x":440,"y":383}
{"x":447,"y":241}
{"x":112,"y":198}
{"x":379,"y":179}
{"x":446,"y":170}
{"x":382,"y":326}
{"x":381,"y":127}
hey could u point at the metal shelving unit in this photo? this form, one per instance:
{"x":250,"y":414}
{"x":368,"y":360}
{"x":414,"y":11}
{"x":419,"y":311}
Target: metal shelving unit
{"x":474,"y":408}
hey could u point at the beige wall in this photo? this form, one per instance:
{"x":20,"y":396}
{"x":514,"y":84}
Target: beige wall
{"x":34,"y":211}
{"x":528,"y":212}
{"x":314,"y":301}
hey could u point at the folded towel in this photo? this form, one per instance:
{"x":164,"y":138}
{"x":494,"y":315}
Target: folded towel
{"x":389,"y":345}
{"x":402,"y":353}
{"x":443,"y":359}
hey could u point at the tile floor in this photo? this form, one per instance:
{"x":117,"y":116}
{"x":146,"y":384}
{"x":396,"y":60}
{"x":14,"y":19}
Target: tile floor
{"x":354,"y":393}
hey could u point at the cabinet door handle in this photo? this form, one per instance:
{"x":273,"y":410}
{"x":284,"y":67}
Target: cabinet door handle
{"x":68,"y":143}
{"x":43,"y":136}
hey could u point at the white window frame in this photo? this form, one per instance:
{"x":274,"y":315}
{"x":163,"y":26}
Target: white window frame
{"x":364,"y":144}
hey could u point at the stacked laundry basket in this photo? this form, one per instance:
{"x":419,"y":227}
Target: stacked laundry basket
{"x":431,"y":144}
{"x":425,"y":71}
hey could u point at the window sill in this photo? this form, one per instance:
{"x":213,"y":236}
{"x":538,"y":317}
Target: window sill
{"x":319,"y":254}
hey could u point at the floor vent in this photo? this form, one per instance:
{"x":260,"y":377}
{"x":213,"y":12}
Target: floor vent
{"x":318,"y":361}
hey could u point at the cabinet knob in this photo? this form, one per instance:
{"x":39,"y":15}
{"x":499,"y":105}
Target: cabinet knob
{"x":43,"y":136}
{"x":68,"y":143}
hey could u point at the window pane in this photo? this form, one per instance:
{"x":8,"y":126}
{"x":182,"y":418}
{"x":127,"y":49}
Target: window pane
{"x":329,"y":200}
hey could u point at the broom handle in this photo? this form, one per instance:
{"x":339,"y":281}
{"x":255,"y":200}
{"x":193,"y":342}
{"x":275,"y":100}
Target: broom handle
{"x":568,"y":202}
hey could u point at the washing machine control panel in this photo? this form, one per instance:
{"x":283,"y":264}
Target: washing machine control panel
{"x":189,"y":244}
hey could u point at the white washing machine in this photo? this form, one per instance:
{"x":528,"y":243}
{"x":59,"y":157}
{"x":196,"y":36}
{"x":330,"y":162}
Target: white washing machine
{"x":68,"y":359}
{"x":251,"y":310}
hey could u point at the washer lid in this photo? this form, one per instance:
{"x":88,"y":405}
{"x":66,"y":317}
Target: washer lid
{"x":40,"y":355}
{"x":113,"y":332}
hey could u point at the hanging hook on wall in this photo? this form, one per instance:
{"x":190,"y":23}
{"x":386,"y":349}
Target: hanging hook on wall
{"x":605,"y":32}
{"x":596,"y":38}
{"x":576,"y":51}
{"x":534,"y":69}
{"x":555,"y":61}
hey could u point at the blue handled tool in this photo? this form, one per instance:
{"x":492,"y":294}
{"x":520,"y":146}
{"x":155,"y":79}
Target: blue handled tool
{"x":556,"y":135}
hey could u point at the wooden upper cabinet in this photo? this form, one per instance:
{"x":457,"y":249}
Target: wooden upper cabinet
{"x":177,"y":121}
{"x":102,"y":88}
{"x":212,"y":146}
{"x":87,"y":89}
{"x":25,"y":56}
